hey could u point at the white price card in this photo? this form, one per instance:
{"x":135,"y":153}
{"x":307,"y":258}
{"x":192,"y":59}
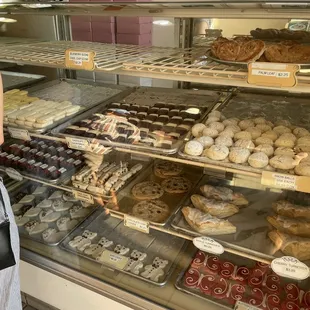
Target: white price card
{"x":208,"y":245}
{"x":17,"y":133}
{"x":113,"y":259}
{"x":240,"y":305}
{"x":77,"y":144}
{"x":290,"y":267}
{"x":13,"y":174}
{"x":84,"y":197}
{"x":137,"y":224}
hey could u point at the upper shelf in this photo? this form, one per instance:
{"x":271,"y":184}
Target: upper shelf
{"x":221,"y":9}
{"x":176,"y":64}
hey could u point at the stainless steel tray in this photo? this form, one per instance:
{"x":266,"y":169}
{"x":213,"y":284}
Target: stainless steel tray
{"x":85,"y":94}
{"x":143,"y":95}
{"x":27,"y":188}
{"x":19,"y":80}
{"x":126,"y":200}
{"x":252,"y":226}
{"x":155,"y":244}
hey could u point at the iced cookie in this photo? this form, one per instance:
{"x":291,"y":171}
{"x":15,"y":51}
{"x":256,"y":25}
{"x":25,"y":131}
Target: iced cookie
{"x":156,"y":270}
{"x":33,"y":212}
{"x":96,"y":250}
{"x":56,"y":195}
{"x":48,"y":216}
{"x":81,"y":242}
{"x":21,"y":220}
{"x":65,"y":223}
{"x":78,"y":211}
{"x":46,"y":203}
{"x":122,"y":250}
{"x":135,"y":263}
{"x":34,"y":227}
{"x":60,"y":205}
{"x":197,"y":130}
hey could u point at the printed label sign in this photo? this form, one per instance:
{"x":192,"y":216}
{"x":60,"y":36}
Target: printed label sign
{"x":84,"y":197}
{"x":113,"y":259}
{"x":208,"y":245}
{"x":290,"y":267}
{"x":137,"y":224}
{"x":13,"y":174}
{"x":77,"y":144}
{"x":240,"y":305}
{"x":80,"y":60}
{"x":286,"y":181}
{"x":270,"y":74}
{"x":16,"y":133}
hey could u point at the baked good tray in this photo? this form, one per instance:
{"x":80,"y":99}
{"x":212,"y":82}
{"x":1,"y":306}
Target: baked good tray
{"x":226,"y":279}
{"x":143,"y":248}
{"x":251,"y":223}
{"x":249,"y":105}
{"x":126,"y":201}
{"x":27,"y":188}
{"x":19,"y":80}
{"x":82,"y":93}
{"x":144,"y":97}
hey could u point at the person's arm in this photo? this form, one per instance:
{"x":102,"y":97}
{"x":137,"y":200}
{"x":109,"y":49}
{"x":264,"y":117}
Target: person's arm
{"x":1,"y":111}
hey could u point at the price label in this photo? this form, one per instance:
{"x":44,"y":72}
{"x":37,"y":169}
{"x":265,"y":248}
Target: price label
{"x":137,"y":224}
{"x":113,"y":259}
{"x":286,"y":181}
{"x":22,"y":134}
{"x":77,"y":144}
{"x":271,"y":74}
{"x":208,"y":245}
{"x":13,"y":174}
{"x":80,"y":60}
{"x":84,"y":197}
{"x":290,"y":267}
{"x":240,"y":305}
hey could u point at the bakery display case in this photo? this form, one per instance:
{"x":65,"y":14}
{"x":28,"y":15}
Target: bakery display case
{"x":165,"y":198}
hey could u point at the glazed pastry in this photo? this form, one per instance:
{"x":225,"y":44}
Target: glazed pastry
{"x":206,"y":223}
{"x":297,"y":247}
{"x":288,"y":209}
{"x":216,"y":208}
{"x":290,"y":226}
{"x":224,"y":194}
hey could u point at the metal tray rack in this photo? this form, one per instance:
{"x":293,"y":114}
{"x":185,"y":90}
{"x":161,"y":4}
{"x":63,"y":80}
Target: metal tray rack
{"x":154,"y":245}
{"x":19,"y":80}
{"x":126,"y":200}
{"x":252,"y":226}
{"x":149,"y":96}
{"x":85,"y":94}
{"x":26,"y":188}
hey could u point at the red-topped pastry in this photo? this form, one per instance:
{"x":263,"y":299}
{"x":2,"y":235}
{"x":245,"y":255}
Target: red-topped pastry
{"x":207,"y":283}
{"x":192,"y":278}
{"x":227,"y":270}
{"x":212,"y":265}
{"x":220,"y":289}
{"x":199,"y":260}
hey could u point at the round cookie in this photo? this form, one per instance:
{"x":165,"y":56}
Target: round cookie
{"x":263,"y":140}
{"x":254,"y":131}
{"x":242,"y":135}
{"x":289,"y":136}
{"x":167,"y":169}
{"x":284,"y":151}
{"x":217,"y":125}
{"x":231,"y":121}
{"x":217,"y":152}
{"x":223,"y":140}
{"x":197,"y":130}
{"x":210,"y":132}
{"x":259,"y":120}
{"x":205,"y":141}
{"x":234,"y":128}
{"x":193,"y":148}
{"x":215,"y":113}
{"x":301,"y":132}
{"x":270,"y":134}
{"x":244,"y":124}
{"x":151,"y":210}
{"x":265,"y":148}
{"x":227,"y":133}
{"x":212,"y":119}
{"x":176,"y":185}
{"x":239,"y":155}
{"x":303,"y":169}
{"x":147,"y":190}
{"x":282,"y":129}
{"x":263,"y":127}
{"x":258,"y":160}
{"x":284,"y":142}
{"x":246,"y":144}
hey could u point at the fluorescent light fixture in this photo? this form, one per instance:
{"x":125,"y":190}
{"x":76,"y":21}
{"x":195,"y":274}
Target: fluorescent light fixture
{"x":7,"y":20}
{"x":162,"y":22}
{"x":36,"y":6}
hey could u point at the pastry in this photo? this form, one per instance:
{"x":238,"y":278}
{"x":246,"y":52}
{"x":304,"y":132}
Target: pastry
{"x":254,"y":131}
{"x":242,"y":135}
{"x":135,"y":263}
{"x":290,"y":226}
{"x":264,"y":128}
{"x":217,"y":152}
{"x":167,"y":169}
{"x":95,"y":250}
{"x":259,"y":120}
{"x":217,"y":126}
{"x":251,"y":50}
{"x":60,"y":205}
{"x":301,"y":132}
{"x":284,"y":142}
{"x":151,"y":210}
{"x":239,"y":155}
{"x":197,"y":130}
{"x":231,"y":121}
{"x":244,"y":124}
{"x":223,"y":140}
{"x":281,"y":129}
{"x":286,"y":162}
{"x":234,"y":128}
{"x":270,"y":134}
{"x":176,"y":185}
{"x":263,"y":140}
{"x":65,"y":223}
{"x":265,"y":148}
{"x":303,"y":140}
{"x":258,"y":160}
{"x":210,"y":132}
{"x":246,"y":144}
{"x":220,"y":209}
{"x":288,"y":209}
{"x":78,"y":212}
{"x":227,"y":133}
{"x":193,"y":148}
{"x":207,"y":224}
{"x":284,"y":151}
{"x":47,"y":216}
{"x":297,"y":247}
{"x":147,"y":190}
{"x":205,"y":141}
{"x":223,"y":194}
{"x":21,"y":220}
{"x":33,"y":212}
{"x":303,"y":169}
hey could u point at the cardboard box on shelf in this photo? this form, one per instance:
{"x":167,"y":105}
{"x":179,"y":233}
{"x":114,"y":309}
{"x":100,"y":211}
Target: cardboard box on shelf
{"x":103,"y":37}
{"x":124,"y":27}
{"x":142,"y":39}
{"x":103,"y":27}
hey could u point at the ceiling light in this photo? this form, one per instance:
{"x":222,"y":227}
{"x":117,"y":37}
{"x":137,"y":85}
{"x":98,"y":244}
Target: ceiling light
{"x":162,"y":22}
{"x":36,"y":6}
{"x":7,"y":20}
